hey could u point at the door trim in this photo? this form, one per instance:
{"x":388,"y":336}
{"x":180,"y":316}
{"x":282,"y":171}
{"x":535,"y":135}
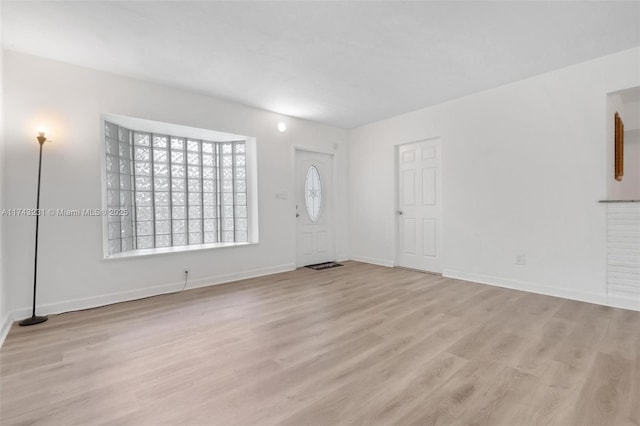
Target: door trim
{"x":334,"y":191}
{"x":396,"y":201}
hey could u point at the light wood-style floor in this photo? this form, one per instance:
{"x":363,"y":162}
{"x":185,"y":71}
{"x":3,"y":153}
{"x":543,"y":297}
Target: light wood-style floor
{"x":359,"y":344}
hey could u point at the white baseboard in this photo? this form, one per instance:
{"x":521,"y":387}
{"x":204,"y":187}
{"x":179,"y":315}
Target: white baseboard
{"x":5,"y":326}
{"x":125,"y":296}
{"x":582,"y":296}
{"x":374,"y":261}
{"x":631,"y":303}
{"x":96,"y":301}
{"x":237,"y":276}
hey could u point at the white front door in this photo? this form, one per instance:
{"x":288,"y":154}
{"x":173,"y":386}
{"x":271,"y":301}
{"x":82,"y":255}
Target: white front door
{"x":420,"y":206}
{"x":314,"y":208}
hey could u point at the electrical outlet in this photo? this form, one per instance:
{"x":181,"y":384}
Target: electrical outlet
{"x":521,"y":259}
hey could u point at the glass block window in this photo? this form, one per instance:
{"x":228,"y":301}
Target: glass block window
{"x":178,"y":191}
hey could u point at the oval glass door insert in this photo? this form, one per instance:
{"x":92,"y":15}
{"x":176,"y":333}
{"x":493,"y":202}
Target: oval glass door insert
{"x":313,"y":193}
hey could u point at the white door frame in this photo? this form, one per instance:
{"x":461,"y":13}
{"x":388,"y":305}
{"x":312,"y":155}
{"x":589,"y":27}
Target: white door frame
{"x":396,"y":201}
{"x":334,"y":191}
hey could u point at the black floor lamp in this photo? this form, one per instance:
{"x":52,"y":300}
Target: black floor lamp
{"x":35,"y":319}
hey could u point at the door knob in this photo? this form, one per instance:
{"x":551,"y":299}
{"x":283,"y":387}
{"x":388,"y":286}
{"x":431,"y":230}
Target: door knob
{"x":399,"y":212}
{"x":297,"y":214}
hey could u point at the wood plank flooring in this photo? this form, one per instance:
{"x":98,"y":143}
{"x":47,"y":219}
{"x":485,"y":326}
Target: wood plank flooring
{"x":359,"y":344}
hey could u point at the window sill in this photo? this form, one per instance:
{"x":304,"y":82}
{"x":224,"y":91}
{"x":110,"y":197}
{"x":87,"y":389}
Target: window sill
{"x":178,"y":249}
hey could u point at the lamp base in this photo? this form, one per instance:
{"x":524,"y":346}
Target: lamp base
{"x":33,"y":320}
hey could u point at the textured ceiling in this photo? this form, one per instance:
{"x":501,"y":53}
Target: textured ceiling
{"x":339,"y":63}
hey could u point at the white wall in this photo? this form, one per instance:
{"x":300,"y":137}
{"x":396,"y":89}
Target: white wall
{"x":69,"y":100}
{"x":523,"y":169}
{"x":631,"y":178}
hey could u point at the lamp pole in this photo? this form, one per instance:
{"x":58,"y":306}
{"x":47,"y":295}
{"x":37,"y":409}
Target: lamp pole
{"x":34,"y":319}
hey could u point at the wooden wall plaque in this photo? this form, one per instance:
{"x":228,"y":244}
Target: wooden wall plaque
{"x":619,"y":148}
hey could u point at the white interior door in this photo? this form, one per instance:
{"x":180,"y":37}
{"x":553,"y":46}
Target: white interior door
{"x":419,"y":206}
{"x":315,"y":239}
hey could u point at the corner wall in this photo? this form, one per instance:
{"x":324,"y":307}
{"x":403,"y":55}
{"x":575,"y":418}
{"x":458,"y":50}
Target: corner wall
{"x":523,"y":170}
{"x":4,"y":307}
{"x":69,"y":100}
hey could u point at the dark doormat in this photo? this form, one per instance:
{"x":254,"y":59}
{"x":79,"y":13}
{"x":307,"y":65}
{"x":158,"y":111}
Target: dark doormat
{"x":323,"y":266}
